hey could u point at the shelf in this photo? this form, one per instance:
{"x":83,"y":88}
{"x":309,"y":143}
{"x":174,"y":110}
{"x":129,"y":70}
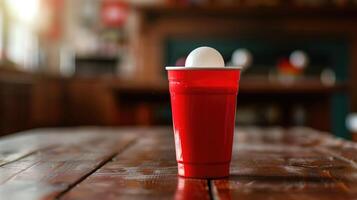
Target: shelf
{"x":304,"y":86}
{"x":96,"y":58}
{"x":247,"y":85}
{"x":248,"y":11}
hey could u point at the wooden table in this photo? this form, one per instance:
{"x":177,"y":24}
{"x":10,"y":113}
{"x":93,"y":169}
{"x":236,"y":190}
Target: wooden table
{"x":98,"y":163}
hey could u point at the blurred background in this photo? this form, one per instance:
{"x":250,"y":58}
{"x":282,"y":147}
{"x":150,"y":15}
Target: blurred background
{"x":101,"y":62}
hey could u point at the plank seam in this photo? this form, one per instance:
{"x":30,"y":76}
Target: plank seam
{"x":210,"y":190}
{"x":338,"y":156}
{"x":17,"y":173}
{"x":100,"y":165}
{"x":27,"y":154}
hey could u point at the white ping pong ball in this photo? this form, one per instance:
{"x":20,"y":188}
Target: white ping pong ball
{"x":204,"y":57}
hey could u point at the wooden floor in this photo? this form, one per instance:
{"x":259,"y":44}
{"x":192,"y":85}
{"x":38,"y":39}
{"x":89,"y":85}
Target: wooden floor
{"x":98,"y":163}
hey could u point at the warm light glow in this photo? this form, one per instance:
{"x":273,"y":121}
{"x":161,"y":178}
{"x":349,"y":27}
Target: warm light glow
{"x":24,"y":10}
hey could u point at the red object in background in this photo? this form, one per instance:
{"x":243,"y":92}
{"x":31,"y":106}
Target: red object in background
{"x":285,"y":67}
{"x":114,"y":13}
{"x":54,"y":9}
{"x":203,"y":109}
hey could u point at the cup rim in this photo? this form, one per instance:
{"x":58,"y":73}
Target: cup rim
{"x":203,"y":68}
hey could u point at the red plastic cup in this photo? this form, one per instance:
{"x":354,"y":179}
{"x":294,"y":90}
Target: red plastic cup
{"x":203,"y":103}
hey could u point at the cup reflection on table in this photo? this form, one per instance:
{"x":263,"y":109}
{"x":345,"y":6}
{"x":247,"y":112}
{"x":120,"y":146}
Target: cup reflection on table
{"x":189,"y":189}
{"x":199,"y":189}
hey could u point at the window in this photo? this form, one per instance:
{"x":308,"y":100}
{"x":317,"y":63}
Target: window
{"x":22,"y":45}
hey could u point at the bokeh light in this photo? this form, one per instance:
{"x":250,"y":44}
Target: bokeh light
{"x":24,"y":10}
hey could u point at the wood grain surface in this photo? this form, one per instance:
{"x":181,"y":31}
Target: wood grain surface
{"x":146,"y":170}
{"x":104,"y":163}
{"x":294,"y":164}
{"x":46,"y":173}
